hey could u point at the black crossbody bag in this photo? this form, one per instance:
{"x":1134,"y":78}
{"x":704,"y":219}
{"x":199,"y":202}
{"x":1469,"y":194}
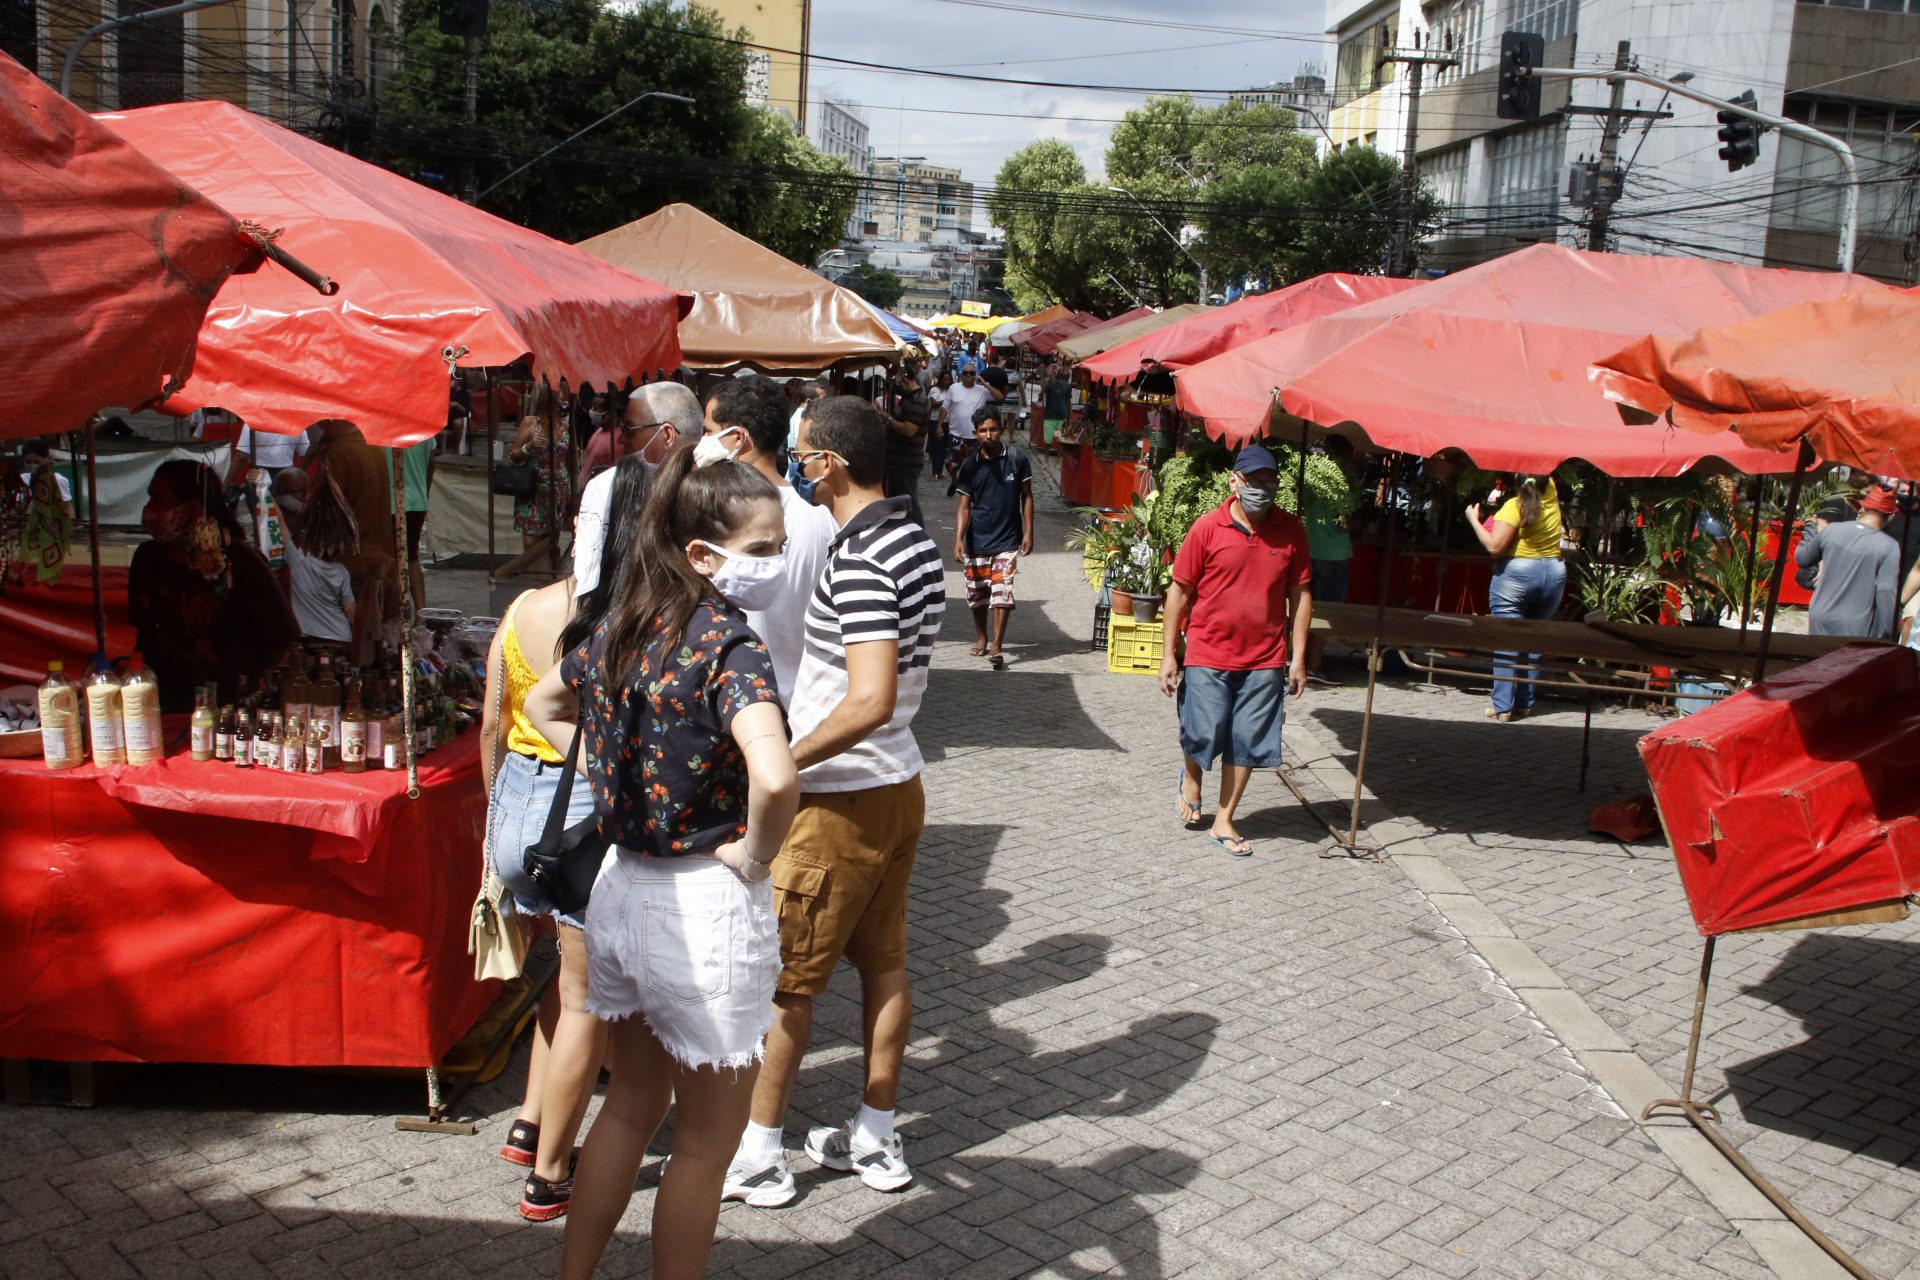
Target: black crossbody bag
{"x":567,"y":859}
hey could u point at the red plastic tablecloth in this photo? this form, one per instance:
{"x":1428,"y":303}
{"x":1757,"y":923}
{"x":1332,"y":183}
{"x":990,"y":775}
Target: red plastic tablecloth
{"x":39,"y":621}
{"x":193,"y":912}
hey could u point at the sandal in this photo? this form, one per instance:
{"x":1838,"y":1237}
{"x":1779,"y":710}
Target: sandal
{"x":977,"y":651}
{"x":998,"y":661}
{"x":1236,"y":846}
{"x":1189,"y":809}
{"x":1502,"y":717}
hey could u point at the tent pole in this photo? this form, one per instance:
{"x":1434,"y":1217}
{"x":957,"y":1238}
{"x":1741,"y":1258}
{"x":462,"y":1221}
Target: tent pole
{"x":1753,"y":558}
{"x":397,"y":497}
{"x":1800,"y":465}
{"x":93,"y":542}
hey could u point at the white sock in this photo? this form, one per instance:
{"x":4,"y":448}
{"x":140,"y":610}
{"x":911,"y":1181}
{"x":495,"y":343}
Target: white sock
{"x":872,"y":1128}
{"x":759,"y":1144}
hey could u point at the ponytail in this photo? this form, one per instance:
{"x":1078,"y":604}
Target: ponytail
{"x":1529,"y":496}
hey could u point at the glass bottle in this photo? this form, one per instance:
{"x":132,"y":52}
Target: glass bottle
{"x":140,"y":714}
{"x":324,"y":709}
{"x":266,"y":740}
{"x":60,"y":720}
{"x":106,"y":730}
{"x":243,"y":737}
{"x":353,"y":732}
{"x":223,"y":734}
{"x":293,"y":744}
{"x":202,"y":725}
{"x":318,"y":746}
{"x":296,"y":696}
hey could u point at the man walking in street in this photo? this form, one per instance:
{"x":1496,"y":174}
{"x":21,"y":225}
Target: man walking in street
{"x":992,"y":530}
{"x":1240,"y":588}
{"x":964,"y":399}
{"x":1859,"y":567}
{"x":658,"y":415}
{"x":749,"y":416}
{"x":840,"y":883}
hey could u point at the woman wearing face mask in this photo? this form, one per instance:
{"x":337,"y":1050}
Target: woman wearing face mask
{"x":204,"y":606}
{"x":686,"y":748}
{"x":523,"y":772}
{"x":1529,"y":578}
{"x":552,"y":499}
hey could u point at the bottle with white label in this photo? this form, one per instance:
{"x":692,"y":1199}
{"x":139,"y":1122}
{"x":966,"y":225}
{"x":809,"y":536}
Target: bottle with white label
{"x":202,"y":725}
{"x":106,"y":733}
{"x":60,"y":720}
{"x":140,"y":715}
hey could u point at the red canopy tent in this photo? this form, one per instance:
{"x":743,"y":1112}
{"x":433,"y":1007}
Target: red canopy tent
{"x":1047,"y":343}
{"x":1042,"y":338}
{"x":1201,"y":337}
{"x":1492,"y":361}
{"x":107,"y":263}
{"x":424,"y":278}
{"x":1842,"y":374}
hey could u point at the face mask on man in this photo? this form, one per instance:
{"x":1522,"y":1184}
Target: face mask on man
{"x":596,"y":416}
{"x":749,"y":582}
{"x":801,"y":485}
{"x":1255,"y":501}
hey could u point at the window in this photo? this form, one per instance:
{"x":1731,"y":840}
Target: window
{"x":343,"y":67}
{"x":1878,"y":6}
{"x":1553,"y":19}
{"x":379,"y":51}
{"x":1524,"y":170}
{"x":20,"y":32}
{"x":1446,"y":173}
{"x":1807,"y":177}
{"x":1456,"y":27}
{"x":1359,"y":70}
{"x":151,"y":57}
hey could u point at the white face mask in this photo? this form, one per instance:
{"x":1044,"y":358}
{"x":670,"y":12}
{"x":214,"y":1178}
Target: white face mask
{"x":713,"y":449}
{"x":750,"y":582}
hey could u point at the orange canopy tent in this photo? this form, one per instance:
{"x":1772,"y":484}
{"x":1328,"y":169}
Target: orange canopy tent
{"x":751,"y":306}
{"x":1047,"y":315}
{"x":107,"y":264}
{"x":1492,"y":361}
{"x":1842,"y":374}
{"x":424,"y":280}
{"x":1045,"y":341}
{"x":1200,"y":337}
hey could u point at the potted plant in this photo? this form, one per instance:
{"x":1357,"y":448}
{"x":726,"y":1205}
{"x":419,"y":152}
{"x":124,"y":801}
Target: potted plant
{"x":1139,"y":569}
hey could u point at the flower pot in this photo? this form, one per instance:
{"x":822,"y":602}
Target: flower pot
{"x":1144,"y":607}
{"x":1122,"y":601}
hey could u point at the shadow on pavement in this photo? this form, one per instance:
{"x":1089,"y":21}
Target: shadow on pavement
{"x":988,"y":708}
{"x":1852,"y":1083}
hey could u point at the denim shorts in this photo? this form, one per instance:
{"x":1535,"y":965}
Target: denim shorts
{"x":689,"y":946}
{"x":1236,"y":714}
{"x":522,"y":793}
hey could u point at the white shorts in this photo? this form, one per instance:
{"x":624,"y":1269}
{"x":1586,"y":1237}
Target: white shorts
{"x":690,"y":947}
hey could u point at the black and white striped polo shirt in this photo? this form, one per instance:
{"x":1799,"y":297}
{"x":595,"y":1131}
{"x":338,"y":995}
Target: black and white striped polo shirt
{"x":883,"y":581}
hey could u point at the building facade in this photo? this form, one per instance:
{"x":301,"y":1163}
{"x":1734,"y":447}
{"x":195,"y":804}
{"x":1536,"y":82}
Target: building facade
{"x":912,"y":200}
{"x":1836,"y":66}
{"x":776,"y":74}
{"x":1306,"y":95}
{"x":839,"y":130}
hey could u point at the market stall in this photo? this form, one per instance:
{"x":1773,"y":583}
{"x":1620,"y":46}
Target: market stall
{"x":1083,"y":346}
{"x":751,"y":307}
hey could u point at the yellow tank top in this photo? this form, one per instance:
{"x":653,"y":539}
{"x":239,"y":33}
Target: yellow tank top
{"x":1541,"y":539}
{"x":521,"y":677}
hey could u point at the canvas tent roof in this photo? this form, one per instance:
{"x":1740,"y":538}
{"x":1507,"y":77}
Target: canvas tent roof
{"x":1093,"y":342}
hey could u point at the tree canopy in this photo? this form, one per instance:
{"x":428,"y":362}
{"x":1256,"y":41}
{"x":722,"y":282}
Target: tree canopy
{"x":1236,"y":187}
{"x":877,"y":285}
{"x":551,"y":69}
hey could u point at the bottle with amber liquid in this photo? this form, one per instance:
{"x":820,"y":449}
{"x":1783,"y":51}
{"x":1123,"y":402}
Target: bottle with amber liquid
{"x":353,"y":732}
{"x":243,"y":737}
{"x":202,"y":725}
{"x":293,"y":744}
{"x":223,"y":735}
{"x":266,"y":741}
{"x":295,"y":695}
{"x":324,"y":698}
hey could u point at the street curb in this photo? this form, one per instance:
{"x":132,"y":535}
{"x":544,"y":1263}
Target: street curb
{"x":1599,"y":1049}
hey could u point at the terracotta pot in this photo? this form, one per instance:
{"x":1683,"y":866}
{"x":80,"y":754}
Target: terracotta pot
{"x":1122,"y":601}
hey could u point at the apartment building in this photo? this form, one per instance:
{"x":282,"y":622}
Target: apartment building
{"x":1306,"y":95}
{"x":912,"y":199}
{"x":840,"y":130}
{"x":1836,"y":66}
{"x":776,"y":74}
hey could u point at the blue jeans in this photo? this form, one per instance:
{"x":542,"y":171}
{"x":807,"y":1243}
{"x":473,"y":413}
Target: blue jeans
{"x":522,"y":794}
{"x":1522,"y":589}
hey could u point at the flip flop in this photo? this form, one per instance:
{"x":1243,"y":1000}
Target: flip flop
{"x":1180,"y":794}
{"x":977,"y":651}
{"x":1236,"y":846}
{"x":998,"y":661}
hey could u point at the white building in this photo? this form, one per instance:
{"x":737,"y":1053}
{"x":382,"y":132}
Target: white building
{"x":839,"y":130}
{"x":1834,"y":65}
{"x":1306,"y":95}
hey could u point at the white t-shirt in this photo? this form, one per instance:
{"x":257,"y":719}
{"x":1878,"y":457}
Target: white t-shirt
{"x":590,"y":532}
{"x":783,"y":627}
{"x":271,"y":451}
{"x":322,"y":592}
{"x":961,"y":403}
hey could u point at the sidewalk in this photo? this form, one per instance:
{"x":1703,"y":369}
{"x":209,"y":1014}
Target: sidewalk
{"x":1134,"y":1056}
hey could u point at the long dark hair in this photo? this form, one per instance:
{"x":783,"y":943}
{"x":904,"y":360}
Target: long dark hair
{"x":196,"y":482}
{"x":658,"y":590}
{"x":632,"y":481}
{"x":1528,"y":490}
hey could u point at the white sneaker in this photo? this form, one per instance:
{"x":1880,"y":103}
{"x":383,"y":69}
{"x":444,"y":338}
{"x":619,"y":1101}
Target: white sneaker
{"x":767,"y":1187}
{"x":883,"y":1169}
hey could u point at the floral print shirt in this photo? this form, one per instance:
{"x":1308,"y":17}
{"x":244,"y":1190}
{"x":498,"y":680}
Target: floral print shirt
{"x":668,"y":778}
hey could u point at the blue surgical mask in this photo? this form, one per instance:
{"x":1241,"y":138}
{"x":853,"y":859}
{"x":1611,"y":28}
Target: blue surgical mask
{"x":801,"y":485}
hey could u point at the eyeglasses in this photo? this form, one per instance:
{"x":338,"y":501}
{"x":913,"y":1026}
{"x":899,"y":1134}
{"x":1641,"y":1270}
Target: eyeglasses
{"x":805,"y":456}
{"x":628,"y":428}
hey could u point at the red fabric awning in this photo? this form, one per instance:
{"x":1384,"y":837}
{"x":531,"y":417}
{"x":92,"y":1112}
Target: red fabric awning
{"x":1493,"y":361}
{"x":107,"y":263}
{"x":1047,"y":343}
{"x":1201,"y":337}
{"x":1843,"y":374}
{"x":419,"y":272}
{"x":1054,"y":330}
{"x":1778,"y":805}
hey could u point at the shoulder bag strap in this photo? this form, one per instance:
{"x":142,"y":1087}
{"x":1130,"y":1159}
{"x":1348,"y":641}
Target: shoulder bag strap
{"x":562,"y":794}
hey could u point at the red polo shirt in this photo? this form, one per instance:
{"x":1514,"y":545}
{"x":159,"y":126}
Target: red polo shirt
{"x":1240,"y":580}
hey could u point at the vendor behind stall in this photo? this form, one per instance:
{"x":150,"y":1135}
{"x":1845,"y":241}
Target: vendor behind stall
{"x":204,"y":605}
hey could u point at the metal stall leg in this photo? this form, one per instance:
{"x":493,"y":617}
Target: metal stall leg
{"x":1586,"y":743}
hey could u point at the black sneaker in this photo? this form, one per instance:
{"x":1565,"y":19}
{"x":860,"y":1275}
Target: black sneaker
{"x":543,"y":1201}
{"x":523,"y":1140}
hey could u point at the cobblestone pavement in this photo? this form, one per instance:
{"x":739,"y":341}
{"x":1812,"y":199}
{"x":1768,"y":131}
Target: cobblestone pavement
{"x":1133,"y":1056}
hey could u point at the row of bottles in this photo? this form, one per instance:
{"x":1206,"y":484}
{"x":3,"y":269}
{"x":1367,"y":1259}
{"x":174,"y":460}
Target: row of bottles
{"x":122,"y":718}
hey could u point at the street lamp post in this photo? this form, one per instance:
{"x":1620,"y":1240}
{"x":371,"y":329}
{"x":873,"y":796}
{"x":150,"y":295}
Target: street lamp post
{"x":652,"y":93}
{"x":1197,"y":264}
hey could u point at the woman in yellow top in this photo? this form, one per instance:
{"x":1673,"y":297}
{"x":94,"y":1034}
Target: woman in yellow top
{"x":569,"y":1043}
{"x":1528,"y":581}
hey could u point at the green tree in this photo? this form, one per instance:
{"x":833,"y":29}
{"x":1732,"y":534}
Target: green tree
{"x":1055,"y":249}
{"x":877,"y":285}
{"x":548,"y":70}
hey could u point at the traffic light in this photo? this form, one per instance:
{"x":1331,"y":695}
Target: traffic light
{"x":463,"y":18}
{"x":1739,"y":135}
{"x":1520,"y":53}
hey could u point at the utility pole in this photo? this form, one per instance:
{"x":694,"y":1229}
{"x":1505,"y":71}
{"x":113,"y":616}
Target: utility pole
{"x":1400,"y":259}
{"x":469,"y":117}
{"x":1608,"y":181}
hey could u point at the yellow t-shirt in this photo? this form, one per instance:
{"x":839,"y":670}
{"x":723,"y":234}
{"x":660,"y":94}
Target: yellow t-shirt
{"x":1541,"y":539}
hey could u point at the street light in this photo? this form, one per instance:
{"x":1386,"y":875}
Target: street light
{"x":652,"y":93}
{"x":1198,"y":265}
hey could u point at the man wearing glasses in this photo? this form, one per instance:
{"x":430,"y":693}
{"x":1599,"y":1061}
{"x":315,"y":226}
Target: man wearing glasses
{"x":659,"y":416}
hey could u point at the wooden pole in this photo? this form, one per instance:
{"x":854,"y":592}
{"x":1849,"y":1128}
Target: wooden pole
{"x":93,"y":543}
